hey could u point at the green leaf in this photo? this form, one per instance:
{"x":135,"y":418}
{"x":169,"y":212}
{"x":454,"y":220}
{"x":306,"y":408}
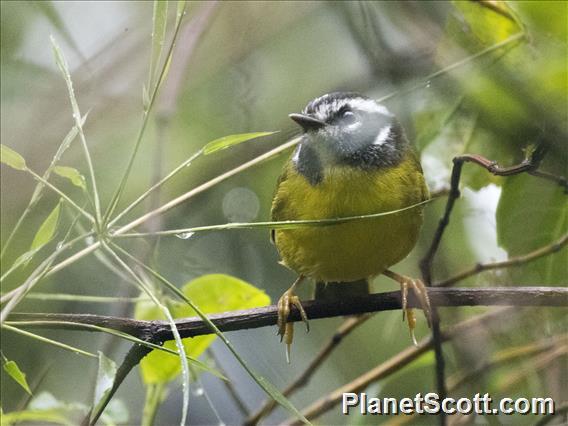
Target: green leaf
{"x":159,"y":24}
{"x":105,"y":379}
{"x":11,"y":158}
{"x":72,"y":174}
{"x":18,"y":375}
{"x":228,"y":141}
{"x":533,"y":213}
{"x":212,"y":294}
{"x":47,"y":229}
{"x":488,"y":22}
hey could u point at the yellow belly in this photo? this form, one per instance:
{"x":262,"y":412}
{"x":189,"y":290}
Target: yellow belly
{"x":354,"y":250}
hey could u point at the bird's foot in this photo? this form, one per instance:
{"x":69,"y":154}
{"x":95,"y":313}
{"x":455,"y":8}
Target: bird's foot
{"x":421,"y":293}
{"x":285,"y":328}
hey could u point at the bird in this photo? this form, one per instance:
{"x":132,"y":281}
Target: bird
{"x":353,"y":158}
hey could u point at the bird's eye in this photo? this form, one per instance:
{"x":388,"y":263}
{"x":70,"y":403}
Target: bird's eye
{"x":348,"y":117}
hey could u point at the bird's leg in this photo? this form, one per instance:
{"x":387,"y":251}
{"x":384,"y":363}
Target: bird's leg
{"x":285,"y":328}
{"x":422,"y":295}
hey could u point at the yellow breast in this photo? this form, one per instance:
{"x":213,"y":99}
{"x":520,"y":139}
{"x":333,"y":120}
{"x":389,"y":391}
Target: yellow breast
{"x":354,"y":250}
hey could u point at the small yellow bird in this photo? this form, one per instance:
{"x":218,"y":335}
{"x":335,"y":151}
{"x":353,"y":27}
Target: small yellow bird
{"x":353,"y":159}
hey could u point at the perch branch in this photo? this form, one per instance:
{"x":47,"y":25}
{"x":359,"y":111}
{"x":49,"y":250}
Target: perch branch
{"x":315,"y":309}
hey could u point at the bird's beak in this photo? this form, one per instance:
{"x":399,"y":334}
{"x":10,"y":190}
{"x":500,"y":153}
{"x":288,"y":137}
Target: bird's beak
{"x":307,"y":122}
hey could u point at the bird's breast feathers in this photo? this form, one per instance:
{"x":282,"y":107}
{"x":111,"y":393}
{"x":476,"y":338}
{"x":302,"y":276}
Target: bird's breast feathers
{"x":353,"y":250}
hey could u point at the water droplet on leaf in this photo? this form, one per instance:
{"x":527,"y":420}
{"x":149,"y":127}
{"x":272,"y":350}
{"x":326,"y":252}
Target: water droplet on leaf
{"x":198,"y":390}
{"x":185,"y":235}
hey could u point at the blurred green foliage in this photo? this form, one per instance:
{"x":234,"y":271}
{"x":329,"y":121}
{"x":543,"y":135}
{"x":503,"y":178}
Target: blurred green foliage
{"x":242,"y":69}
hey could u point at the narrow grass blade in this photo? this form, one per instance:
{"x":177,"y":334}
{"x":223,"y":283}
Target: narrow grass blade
{"x":231,"y":140}
{"x":64,"y":68}
{"x":39,"y":187}
{"x":118,"y":193}
{"x":261,"y":381}
{"x":179,"y":344}
{"x":49,"y":341}
{"x":159,"y":25}
{"x":170,"y":175}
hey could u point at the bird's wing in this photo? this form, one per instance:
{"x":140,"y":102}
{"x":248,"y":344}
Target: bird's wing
{"x":278,"y":202}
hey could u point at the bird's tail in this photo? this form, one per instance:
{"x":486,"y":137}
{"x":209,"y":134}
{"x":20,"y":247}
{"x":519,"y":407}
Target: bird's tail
{"x":339,"y":290}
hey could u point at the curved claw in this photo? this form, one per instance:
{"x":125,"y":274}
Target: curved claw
{"x":421,"y":293}
{"x":286,"y":329}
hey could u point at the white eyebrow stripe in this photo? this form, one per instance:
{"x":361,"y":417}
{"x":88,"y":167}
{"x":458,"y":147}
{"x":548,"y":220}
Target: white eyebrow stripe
{"x":368,"y":105}
{"x":383,"y":135}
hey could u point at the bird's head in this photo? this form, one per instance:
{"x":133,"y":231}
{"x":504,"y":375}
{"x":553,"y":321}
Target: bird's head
{"x":346,"y":129}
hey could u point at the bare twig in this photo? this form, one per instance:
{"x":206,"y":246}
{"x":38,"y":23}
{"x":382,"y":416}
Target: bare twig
{"x":344,"y":329}
{"x":243,"y":409}
{"x":542,"y":361}
{"x":505,"y":356}
{"x":560,"y":180}
{"x":531,"y":162}
{"x":513,"y":261}
{"x":394,"y":364}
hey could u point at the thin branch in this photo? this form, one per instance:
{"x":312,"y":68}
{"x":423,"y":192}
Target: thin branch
{"x":394,"y":364}
{"x":243,"y":409}
{"x":533,"y":157}
{"x":48,"y":341}
{"x":344,"y":329}
{"x":513,"y":261}
{"x":542,"y":361}
{"x":201,"y":188}
{"x":36,"y":195}
{"x":560,"y":180}
{"x":315,"y":309}
{"x":12,"y":298}
{"x":530,"y":163}
{"x":503,"y":357}
{"x":506,"y":356}
{"x":197,"y":190}
{"x":515,"y":37}
{"x":284,"y":224}
{"x":188,"y":40}
{"x":147,"y":109}
{"x":61,"y":194}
